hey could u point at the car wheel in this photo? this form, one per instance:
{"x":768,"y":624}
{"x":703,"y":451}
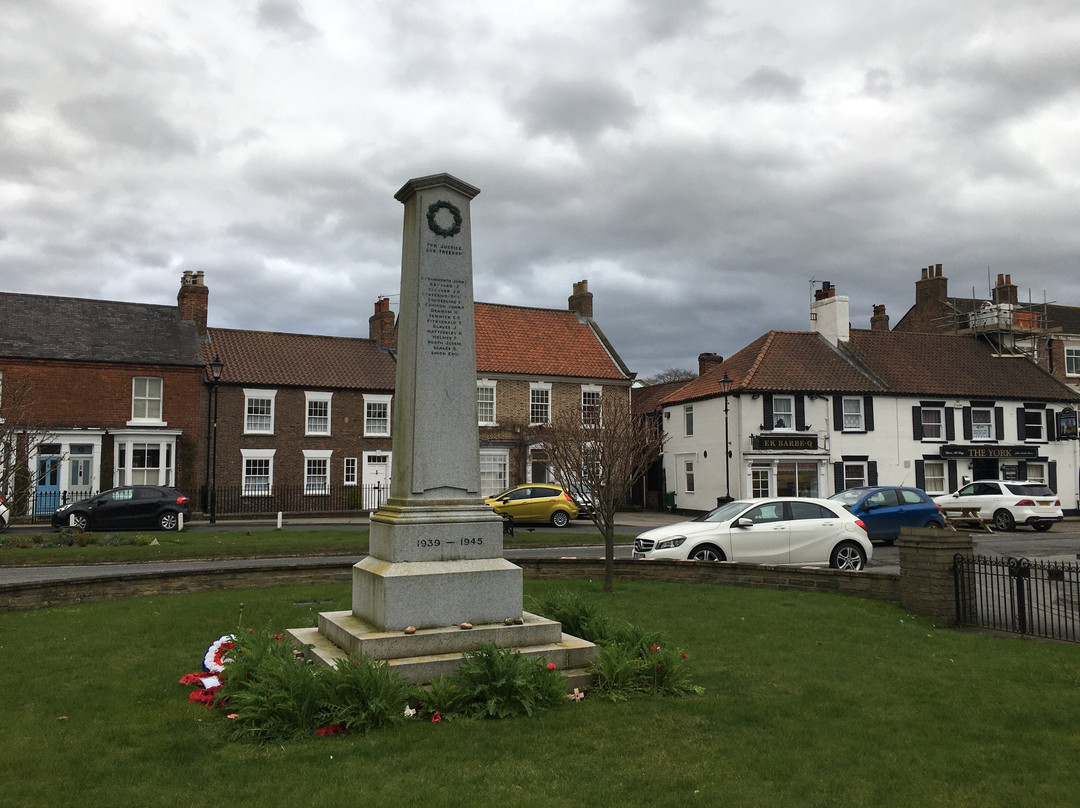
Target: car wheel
{"x":79,"y":521}
{"x":932,"y":525}
{"x":706,"y":552}
{"x":169,"y":521}
{"x":847,"y":555}
{"x":1003,"y":520}
{"x":1042,"y":527}
{"x":560,"y":518}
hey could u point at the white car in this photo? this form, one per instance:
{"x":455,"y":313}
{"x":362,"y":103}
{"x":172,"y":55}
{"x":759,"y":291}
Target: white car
{"x":5,"y":515}
{"x":1009,"y":503}
{"x":778,"y":530}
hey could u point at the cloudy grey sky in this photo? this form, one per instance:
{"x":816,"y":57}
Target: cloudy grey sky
{"x":699,"y":162}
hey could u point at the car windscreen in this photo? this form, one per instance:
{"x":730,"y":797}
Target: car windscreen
{"x":1029,"y":489}
{"x":728,"y":511}
{"x":851,"y":496}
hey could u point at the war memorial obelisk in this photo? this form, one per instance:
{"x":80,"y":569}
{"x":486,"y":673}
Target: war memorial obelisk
{"x":436,"y":548}
{"x":435,"y":582}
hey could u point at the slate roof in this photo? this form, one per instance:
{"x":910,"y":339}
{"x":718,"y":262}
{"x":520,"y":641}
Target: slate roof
{"x":883,"y":362}
{"x":274,"y":359}
{"x":95,"y":331}
{"x":649,"y":398}
{"x":542,"y":342}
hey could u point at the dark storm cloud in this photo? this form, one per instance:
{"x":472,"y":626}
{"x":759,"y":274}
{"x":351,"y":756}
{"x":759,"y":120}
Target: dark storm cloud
{"x":580,"y":109}
{"x":126,"y":121}
{"x":285,"y":16}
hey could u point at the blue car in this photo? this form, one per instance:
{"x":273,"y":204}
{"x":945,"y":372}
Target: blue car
{"x":884,"y":510}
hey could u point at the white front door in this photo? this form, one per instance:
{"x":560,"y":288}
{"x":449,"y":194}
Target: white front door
{"x":376,"y":479}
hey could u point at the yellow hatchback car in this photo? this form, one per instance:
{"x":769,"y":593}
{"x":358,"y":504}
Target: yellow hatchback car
{"x":536,"y":502}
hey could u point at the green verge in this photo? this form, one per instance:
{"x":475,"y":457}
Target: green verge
{"x":809,"y":700}
{"x":32,"y":549}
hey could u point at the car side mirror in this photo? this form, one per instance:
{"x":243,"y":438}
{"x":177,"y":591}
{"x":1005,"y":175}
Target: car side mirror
{"x":745,"y":521}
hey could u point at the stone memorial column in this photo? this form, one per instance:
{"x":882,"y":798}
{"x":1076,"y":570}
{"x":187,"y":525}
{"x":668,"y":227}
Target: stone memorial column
{"x":436,"y":548}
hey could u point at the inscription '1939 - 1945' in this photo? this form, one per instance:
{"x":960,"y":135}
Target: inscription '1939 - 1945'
{"x":445,"y":307}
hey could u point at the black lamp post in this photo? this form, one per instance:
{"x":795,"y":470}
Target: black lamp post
{"x":216,"y":367}
{"x":725,"y":388}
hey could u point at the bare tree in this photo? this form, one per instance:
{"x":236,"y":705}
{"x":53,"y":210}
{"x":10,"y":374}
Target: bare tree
{"x":20,"y":435}
{"x":601,"y":452}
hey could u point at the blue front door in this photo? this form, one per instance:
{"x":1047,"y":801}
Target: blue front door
{"x":47,"y":498}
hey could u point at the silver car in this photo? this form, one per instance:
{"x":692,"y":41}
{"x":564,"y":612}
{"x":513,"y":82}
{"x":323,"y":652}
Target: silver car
{"x":5,"y":515}
{"x":776,"y":530}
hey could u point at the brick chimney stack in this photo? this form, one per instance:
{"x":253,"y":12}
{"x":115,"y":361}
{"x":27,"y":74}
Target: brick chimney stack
{"x":580,"y":302}
{"x":1005,"y":291}
{"x":194,"y":300}
{"x":932,"y":288}
{"x":880,"y":320}
{"x":706,"y":361}
{"x":381,"y":324}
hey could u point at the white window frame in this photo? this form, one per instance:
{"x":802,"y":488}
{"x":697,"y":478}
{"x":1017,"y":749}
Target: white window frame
{"x":538,"y":390}
{"x":854,"y":419}
{"x":124,"y":444}
{"x":855,"y":474}
{"x":313,"y":397}
{"x":688,"y":420}
{"x":940,"y":425}
{"x":247,"y":489}
{"x":317,"y":456}
{"x":1072,"y":360}
{"x":596,"y":408}
{"x":250,"y":395}
{"x":351,"y":474}
{"x":1039,"y":418}
{"x":687,"y":475}
{"x":147,"y":399}
{"x":485,"y":386}
{"x":790,"y":427}
{"x":372,"y":426}
{"x":1036,"y":472}
{"x":989,"y":425}
{"x":494,"y":471}
{"x":934,"y":470}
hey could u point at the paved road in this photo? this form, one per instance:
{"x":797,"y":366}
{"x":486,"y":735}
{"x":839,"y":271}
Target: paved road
{"x":1060,"y":544}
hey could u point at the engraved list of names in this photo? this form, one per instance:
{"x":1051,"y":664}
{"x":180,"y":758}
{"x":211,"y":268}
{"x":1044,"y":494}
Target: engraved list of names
{"x":444,"y":327}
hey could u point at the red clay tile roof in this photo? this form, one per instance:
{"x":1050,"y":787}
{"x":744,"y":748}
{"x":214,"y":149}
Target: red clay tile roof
{"x":780,"y":361}
{"x":300,"y":360}
{"x":888,"y":362}
{"x":947,"y":365}
{"x":540,"y":342}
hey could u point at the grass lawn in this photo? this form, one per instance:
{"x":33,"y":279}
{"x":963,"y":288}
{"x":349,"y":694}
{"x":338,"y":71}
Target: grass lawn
{"x":811,"y":700}
{"x":237,"y":544}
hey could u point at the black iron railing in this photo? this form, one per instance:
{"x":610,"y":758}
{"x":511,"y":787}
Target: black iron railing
{"x":1038,"y":598}
{"x":240,"y":500}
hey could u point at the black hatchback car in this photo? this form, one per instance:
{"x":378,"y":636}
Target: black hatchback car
{"x":129,"y":507}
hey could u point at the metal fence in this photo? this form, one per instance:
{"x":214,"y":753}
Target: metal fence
{"x":239,"y":500}
{"x":1037,"y":598}
{"x":236,"y":500}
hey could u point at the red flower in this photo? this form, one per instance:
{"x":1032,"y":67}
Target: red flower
{"x":654,"y":648}
{"x":331,"y":729}
{"x":685,"y":656}
{"x":551,"y":666}
{"x":436,"y":718}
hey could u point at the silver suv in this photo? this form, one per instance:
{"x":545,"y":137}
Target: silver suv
{"x":1009,"y":503}
{"x":5,"y":515}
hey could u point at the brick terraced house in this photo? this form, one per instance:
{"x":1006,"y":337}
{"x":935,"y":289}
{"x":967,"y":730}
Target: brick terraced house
{"x":96,"y":394}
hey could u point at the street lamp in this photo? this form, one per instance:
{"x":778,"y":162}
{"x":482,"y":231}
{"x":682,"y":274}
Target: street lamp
{"x":725,"y":388}
{"x":216,"y":367}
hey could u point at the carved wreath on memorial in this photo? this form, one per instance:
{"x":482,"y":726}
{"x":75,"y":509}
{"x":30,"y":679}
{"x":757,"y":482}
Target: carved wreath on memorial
{"x":434,"y":226}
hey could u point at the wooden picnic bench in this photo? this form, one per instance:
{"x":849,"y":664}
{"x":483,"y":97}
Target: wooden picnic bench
{"x":964,"y":517}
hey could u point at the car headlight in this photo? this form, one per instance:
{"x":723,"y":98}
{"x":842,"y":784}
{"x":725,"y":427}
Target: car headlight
{"x":667,"y":544}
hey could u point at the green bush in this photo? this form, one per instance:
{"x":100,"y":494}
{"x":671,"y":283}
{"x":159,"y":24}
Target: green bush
{"x":496,"y":682}
{"x":363,"y":694}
